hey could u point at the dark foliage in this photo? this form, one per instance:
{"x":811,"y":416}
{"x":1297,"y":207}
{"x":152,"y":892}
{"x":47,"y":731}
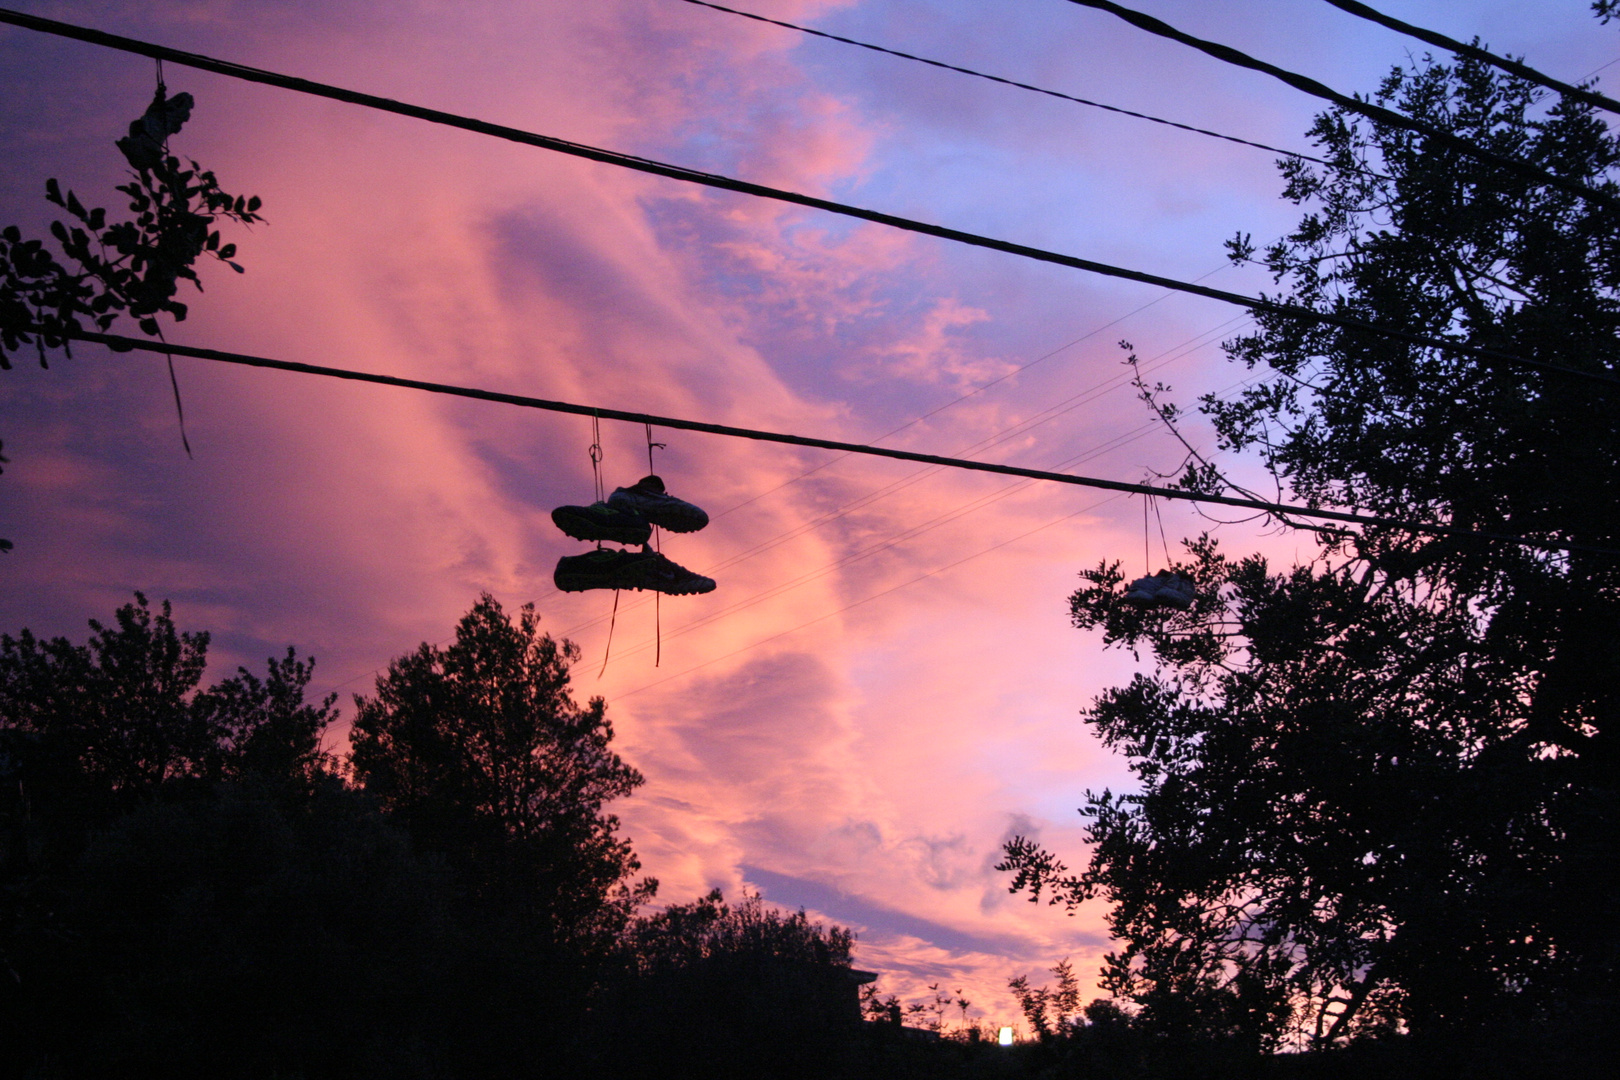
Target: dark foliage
{"x":131,"y":267}
{"x":1377,"y":792}
{"x":185,"y":890}
{"x":481,"y":752}
{"x":239,"y":934}
{"x":722,"y":990}
{"x":189,"y":889}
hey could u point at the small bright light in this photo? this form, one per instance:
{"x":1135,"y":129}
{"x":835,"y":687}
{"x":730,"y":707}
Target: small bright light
{"x":1006,"y":1036}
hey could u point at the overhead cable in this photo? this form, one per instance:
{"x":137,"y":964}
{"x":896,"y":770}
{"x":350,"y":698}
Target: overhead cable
{"x":1008,"y":82}
{"x":1377,"y":113}
{"x":865,"y":600}
{"x":726,"y":183}
{"x":889,"y":490}
{"x":1474,"y":52}
{"x":120,"y":343}
{"x":979,"y":389}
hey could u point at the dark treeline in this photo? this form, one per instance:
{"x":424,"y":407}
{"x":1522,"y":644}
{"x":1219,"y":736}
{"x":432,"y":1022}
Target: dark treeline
{"x":192,"y":886}
{"x":1374,"y":796}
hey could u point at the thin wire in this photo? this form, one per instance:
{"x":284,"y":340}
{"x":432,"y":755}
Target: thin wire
{"x":1009,"y":82}
{"x":1474,"y":52}
{"x":868,"y":599}
{"x":650,"y":445}
{"x":596,"y":481}
{"x":179,"y":408}
{"x":726,"y":183}
{"x":1163,"y":359}
{"x":1163,"y":539}
{"x":981,"y":388}
{"x":1373,"y":112}
{"x":1605,"y":67}
{"x":125,"y":344}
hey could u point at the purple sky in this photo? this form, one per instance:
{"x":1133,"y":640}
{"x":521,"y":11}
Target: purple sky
{"x":885,"y":686}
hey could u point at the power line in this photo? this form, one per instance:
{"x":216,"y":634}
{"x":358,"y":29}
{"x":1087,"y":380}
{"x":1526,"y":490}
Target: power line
{"x":1373,"y":112}
{"x":1474,"y":52}
{"x":851,"y":506}
{"x":867,"y":599}
{"x":1007,"y":82}
{"x":1604,"y":67}
{"x":878,"y":547}
{"x":1022,"y":427}
{"x":119,"y":343}
{"x":981,"y":388}
{"x":726,"y":183}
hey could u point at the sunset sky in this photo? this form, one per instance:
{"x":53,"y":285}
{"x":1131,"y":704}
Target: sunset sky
{"x":885,"y":686}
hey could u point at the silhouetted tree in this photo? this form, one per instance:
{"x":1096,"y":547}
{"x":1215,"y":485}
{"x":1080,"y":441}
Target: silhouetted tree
{"x":726,"y":990}
{"x":481,"y":751}
{"x":114,"y":719}
{"x":1378,"y":791}
{"x":183,"y":884}
{"x":242,"y":934}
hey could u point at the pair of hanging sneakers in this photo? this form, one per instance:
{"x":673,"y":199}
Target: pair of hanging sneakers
{"x":627,"y":517}
{"x":1164,"y":589}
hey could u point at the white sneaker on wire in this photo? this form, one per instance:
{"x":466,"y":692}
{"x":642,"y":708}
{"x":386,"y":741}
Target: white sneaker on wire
{"x":1164,"y":589}
{"x":1143,"y":592}
{"x":1176,"y":591}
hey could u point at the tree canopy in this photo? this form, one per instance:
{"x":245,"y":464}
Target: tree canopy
{"x":1376,"y":792}
{"x":481,"y":750}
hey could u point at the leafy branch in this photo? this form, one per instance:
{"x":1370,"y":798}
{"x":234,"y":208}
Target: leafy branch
{"x":132,"y":267}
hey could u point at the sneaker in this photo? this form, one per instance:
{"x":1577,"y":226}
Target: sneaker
{"x":648,"y":498}
{"x":609,"y":569}
{"x":659,"y":574}
{"x":599,"y":521}
{"x":1143,"y":591}
{"x":1175,"y":590}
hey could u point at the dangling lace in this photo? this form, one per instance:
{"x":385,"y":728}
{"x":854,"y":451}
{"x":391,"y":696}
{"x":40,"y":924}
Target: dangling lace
{"x":596,"y":481}
{"x":174,"y":381}
{"x":1147,"y":550}
{"x":658,"y":619}
{"x":614,"y":621}
{"x":1164,"y":541}
{"x":596,"y":457}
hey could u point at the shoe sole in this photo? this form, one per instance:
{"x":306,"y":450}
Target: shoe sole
{"x":568,"y":583}
{"x":569,"y":580}
{"x":582,"y":527}
{"x":696,"y":588}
